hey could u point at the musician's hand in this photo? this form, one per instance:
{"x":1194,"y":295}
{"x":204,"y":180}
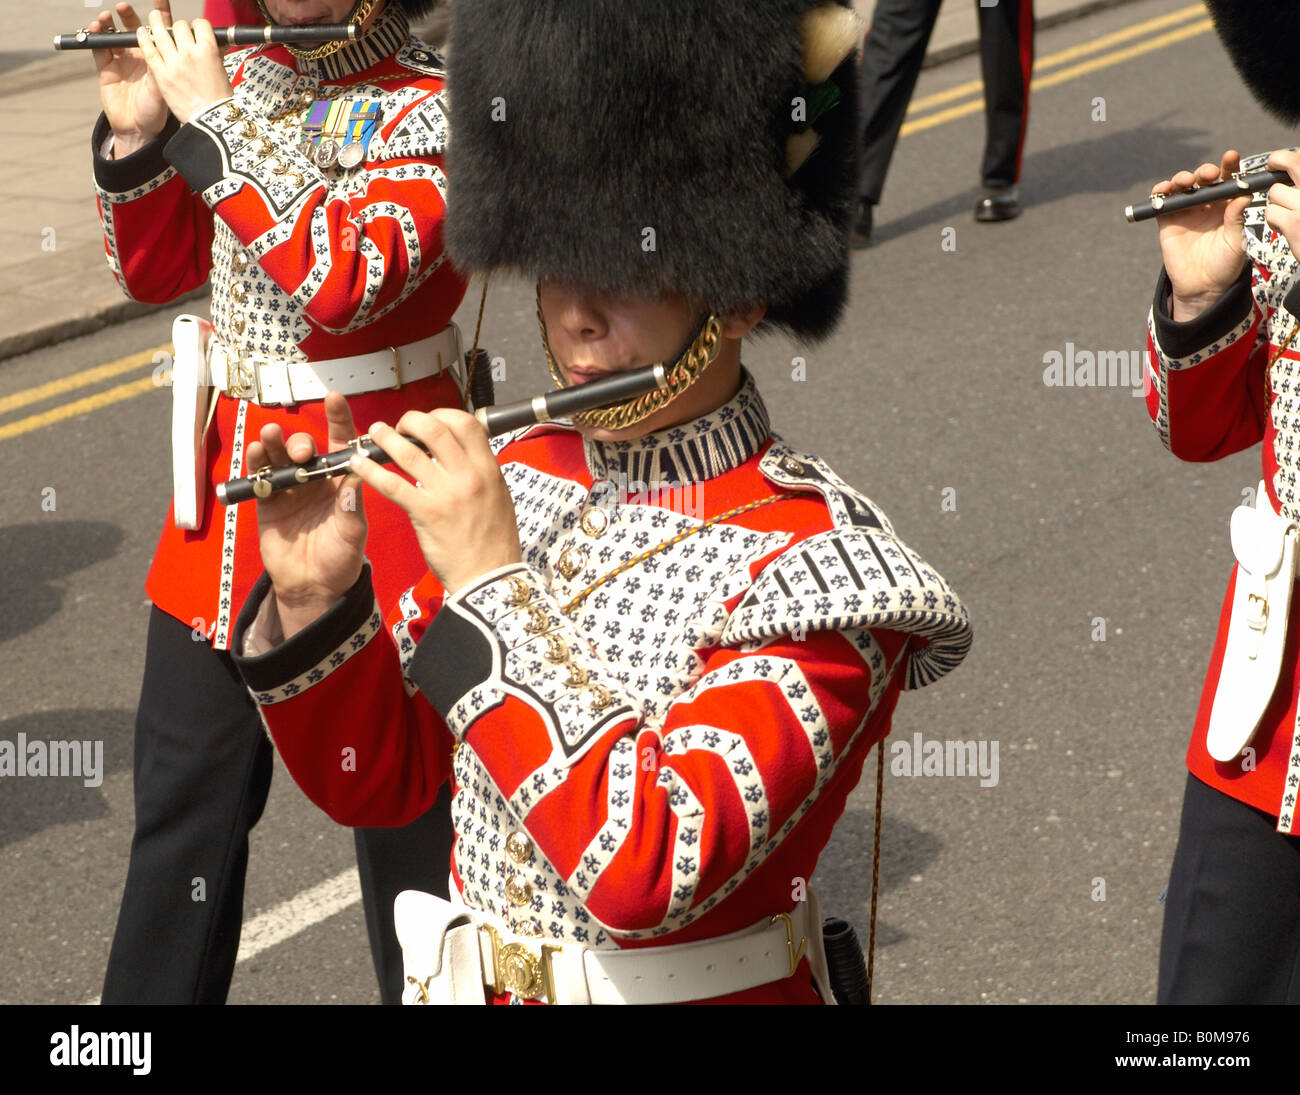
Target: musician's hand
{"x":1283,"y":211}
{"x":313,"y":537}
{"x":132,"y":103}
{"x":1203,"y":247}
{"x":186,"y":65}
{"x":459,"y":505}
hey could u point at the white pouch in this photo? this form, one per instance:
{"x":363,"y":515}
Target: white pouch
{"x":1265,"y":546}
{"x":192,"y":405}
{"x":441,"y":959}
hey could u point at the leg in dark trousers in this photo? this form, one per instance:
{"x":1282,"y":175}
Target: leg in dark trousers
{"x":891,"y":62}
{"x":415,"y":857}
{"x":202,"y":774}
{"x":1007,"y":59}
{"x":1232,"y":914}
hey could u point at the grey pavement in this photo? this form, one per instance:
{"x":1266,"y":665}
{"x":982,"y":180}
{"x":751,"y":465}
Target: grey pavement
{"x":54,"y":280}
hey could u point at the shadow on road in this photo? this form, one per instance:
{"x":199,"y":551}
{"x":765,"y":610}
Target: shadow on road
{"x":36,"y":556}
{"x":32,"y":803}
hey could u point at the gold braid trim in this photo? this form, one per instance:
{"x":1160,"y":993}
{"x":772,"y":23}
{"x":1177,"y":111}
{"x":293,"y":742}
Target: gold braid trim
{"x":684,"y":372}
{"x":358,"y":15}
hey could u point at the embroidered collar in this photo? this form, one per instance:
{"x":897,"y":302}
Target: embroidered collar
{"x":386,"y":35}
{"x":690,"y":452}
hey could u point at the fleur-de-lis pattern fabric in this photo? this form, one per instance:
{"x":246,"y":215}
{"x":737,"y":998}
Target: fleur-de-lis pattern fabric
{"x":672,"y":762}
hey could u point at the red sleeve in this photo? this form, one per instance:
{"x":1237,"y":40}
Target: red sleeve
{"x":157,"y":232}
{"x":346,"y":256}
{"x":1206,"y":390}
{"x":652,"y":817}
{"x":356,"y":737}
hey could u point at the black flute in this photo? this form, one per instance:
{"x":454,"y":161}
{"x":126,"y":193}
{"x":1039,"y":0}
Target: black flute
{"x":1160,"y":204}
{"x":496,"y":420}
{"x":226,"y":36}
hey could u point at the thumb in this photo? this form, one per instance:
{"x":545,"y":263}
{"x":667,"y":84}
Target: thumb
{"x":338,"y":416}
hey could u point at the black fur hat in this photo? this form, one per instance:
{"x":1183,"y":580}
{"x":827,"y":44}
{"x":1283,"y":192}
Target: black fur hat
{"x":1262,"y":37}
{"x":648,"y":145}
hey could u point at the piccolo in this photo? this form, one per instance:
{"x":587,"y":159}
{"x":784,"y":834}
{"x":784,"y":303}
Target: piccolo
{"x":1240,"y":183}
{"x":496,"y":420}
{"x":226,"y":36}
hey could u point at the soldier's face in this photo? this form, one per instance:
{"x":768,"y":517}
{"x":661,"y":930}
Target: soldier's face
{"x":295,"y":12}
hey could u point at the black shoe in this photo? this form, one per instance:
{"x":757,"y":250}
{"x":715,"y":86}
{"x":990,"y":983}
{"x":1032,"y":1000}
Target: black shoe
{"x":998,"y":203}
{"x":861,"y":235}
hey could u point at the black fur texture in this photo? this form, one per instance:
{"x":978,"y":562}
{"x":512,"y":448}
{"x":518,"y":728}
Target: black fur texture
{"x":627,"y":115}
{"x":417,"y":8}
{"x":1262,"y":37}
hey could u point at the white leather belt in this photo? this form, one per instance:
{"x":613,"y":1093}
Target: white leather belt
{"x":452,"y":953}
{"x":271,"y":383}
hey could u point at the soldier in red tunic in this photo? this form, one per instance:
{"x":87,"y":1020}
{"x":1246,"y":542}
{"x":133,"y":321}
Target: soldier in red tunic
{"x":1226,"y":376}
{"x":308,"y":186}
{"x":656,"y":644}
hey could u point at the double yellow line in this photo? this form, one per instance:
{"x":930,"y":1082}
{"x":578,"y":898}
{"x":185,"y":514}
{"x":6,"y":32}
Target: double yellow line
{"x":1185,"y":23}
{"x":1194,"y":17}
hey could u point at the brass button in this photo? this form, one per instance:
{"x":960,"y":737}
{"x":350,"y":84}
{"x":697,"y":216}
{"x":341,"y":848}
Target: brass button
{"x":595,"y":521}
{"x":601,"y":698}
{"x":577,"y":677}
{"x":238,"y":263}
{"x":519,"y":847}
{"x":519,"y":593}
{"x":572,"y":562}
{"x":518,"y":890}
{"x":538,"y":620}
{"x":264,"y":148}
{"x":792,"y":466}
{"x":557,"y":650}
{"x":238,"y":293}
{"x":307,"y":98}
{"x":248,"y":130}
{"x":237,"y":324}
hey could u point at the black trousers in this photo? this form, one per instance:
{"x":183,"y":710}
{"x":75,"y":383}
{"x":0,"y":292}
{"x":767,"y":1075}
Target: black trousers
{"x":202,"y":774}
{"x":891,"y":63}
{"x":1232,"y":914}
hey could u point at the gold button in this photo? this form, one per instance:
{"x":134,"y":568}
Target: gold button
{"x":577,"y":677}
{"x":538,"y":620}
{"x":519,"y":847}
{"x":238,"y":293}
{"x":571,"y":562}
{"x":518,"y":890}
{"x":595,"y":521}
{"x":248,"y":129}
{"x":238,"y":263}
{"x":791,"y":465}
{"x":557,"y":650}
{"x":307,"y":98}
{"x":519,"y":593}
{"x":237,"y":324}
{"x":602,"y":698}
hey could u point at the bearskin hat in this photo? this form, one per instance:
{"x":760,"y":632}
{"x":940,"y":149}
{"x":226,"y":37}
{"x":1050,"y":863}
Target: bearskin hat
{"x":699,"y":146}
{"x":1261,"y":36}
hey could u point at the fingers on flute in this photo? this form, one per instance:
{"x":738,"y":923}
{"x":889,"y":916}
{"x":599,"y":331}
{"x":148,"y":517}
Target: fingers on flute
{"x":390,"y":485}
{"x":338,"y":416}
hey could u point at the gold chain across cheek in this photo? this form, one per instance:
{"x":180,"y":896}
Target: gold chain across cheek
{"x":681,"y":375}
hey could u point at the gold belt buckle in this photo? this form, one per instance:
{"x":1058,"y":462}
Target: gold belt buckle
{"x":241,"y":377}
{"x":517,"y":969}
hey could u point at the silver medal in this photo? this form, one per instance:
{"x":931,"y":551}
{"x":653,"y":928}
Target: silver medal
{"x":327,"y":152}
{"x":350,"y":154}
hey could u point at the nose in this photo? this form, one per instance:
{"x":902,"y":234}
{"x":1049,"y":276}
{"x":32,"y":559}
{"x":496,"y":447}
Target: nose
{"x":580,"y":312}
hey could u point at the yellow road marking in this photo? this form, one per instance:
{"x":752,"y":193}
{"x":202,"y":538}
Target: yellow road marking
{"x":952,"y":113}
{"x":971,"y":87}
{"x":79,"y":406}
{"x":80,"y":380}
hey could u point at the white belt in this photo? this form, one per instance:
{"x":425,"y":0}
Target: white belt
{"x":452,"y":953}
{"x":271,"y":383}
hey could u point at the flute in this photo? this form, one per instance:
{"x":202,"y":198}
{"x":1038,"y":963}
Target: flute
{"x":226,"y":36}
{"x":1235,"y":187}
{"x":496,"y":420}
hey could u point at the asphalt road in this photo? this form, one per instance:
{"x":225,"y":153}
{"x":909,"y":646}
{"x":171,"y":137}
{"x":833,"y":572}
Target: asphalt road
{"x":1054,"y":512}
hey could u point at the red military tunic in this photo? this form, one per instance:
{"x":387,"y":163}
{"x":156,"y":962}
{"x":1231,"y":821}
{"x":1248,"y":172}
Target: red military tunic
{"x":307,"y":263}
{"x":1208,"y":399}
{"x":661,"y":760}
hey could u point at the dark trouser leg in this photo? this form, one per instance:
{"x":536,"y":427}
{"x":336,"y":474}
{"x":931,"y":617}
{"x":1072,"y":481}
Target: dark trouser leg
{"x":414,"y":857}
{"x":1232,"y":914}
{"x":1007,"y":58}
{"x":891,"y":63}
{"x":202,"y":774}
